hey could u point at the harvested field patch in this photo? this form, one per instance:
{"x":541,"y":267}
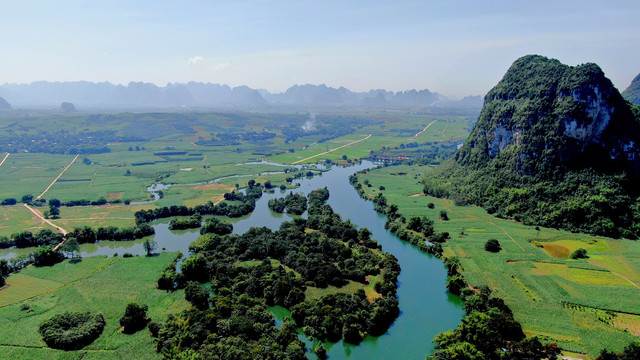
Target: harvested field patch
{"x":557,"y":251}
{"x":581,"y":276}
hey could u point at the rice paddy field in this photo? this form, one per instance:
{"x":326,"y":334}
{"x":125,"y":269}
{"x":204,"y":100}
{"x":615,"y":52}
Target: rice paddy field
{"x":181,"y":150}
{"x":94,"y":284}
{"x":583,"y":305}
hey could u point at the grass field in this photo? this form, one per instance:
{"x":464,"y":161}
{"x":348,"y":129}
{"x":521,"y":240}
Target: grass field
{"x":95,"y":284}
{"x":532,"y":273}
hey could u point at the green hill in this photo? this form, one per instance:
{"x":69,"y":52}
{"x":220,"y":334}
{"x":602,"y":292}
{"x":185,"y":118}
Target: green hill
{"x":632,"y":93}
{"x":554,"y":145}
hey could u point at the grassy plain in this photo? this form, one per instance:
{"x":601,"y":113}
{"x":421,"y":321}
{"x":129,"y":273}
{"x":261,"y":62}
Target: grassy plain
{"x":583,"y":305}
{"x":167,"y":152}
{"x":95,"y":284}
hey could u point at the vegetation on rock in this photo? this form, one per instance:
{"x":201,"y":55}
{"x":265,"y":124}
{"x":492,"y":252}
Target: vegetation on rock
{"x":555,"y":146}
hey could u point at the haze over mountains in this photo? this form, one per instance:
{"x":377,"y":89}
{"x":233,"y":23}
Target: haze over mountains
{"x":196,"y":95}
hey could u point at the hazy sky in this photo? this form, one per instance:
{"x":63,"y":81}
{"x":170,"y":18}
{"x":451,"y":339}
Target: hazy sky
{"x":454,"y":47}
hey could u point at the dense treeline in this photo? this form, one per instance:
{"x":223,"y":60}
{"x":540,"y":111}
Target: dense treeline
{"x":25,"y":239}
{"x":62,"y":142}
{"x":246,"y":203}
{"x":71,"y":203}
{"x":583,"y":201}
{"x":45,"y":241}
{"x":489,"y":332}
{"x":418,"y":231}
{"x":87,"y":234}
{"x":262,"y":268}
{"x":189,"y":223}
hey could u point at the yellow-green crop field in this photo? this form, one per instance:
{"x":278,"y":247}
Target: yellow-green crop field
{"x":583,"y":305}
{"x":94,"y":284}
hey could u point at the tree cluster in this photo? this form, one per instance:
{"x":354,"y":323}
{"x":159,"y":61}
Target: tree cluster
{"x":195,"y":221}
{"x":292,"y":203}
{"x":25,"y":239}
{"x":262,"y":268}
{"x":87,"y":234}
{"x":72,"y":330}
{"x":215,"y":226}
{"x":489,"y":332}
{"x":134,"y":318}
{"x":245,"y":205}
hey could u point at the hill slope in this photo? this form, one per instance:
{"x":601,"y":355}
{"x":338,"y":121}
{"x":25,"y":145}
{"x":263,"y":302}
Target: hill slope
{"x":632,"y":93}
{"x":554,"y":145}
{"x":4,"y":104}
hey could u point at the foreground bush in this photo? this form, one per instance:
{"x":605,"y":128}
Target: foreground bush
{"x":71,"y":330}
{"x":135,"y":318}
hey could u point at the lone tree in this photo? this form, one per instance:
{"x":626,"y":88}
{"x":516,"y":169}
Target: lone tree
{"x":492,"y":245}
{"x":135,"y":318}
{"x":71,"y":246}
{"x":444,"y":215}
{"x":150,"y":246}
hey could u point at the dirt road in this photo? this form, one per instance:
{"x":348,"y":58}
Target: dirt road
{"x":37,"y":213}
{"x":56,"y":179}
{"x":3,"y":160}
{"x":332,"y":150}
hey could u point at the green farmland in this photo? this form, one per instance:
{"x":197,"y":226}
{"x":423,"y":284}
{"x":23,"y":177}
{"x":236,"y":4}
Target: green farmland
{"x":95,"y":284}
{"x":583,"y":305}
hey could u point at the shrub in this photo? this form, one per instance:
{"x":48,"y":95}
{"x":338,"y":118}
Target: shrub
{"x":492,"y":245}
{"x":444,"y":215}
{"x":71,"y":330}
{"x":431,"y":205}
{"x":154,"y":328}
{"x":135,"y":318}
{"x":579,"y":254}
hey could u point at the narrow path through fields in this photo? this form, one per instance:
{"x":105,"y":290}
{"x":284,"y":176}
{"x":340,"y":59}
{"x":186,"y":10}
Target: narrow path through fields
{"x":490,"y":222}
{"x":58,"y":228}
{"x":631,"y":282}
{"x":425,"y":129}
{"x":3,"y":160}
{"x":59,"y":175}
{"x":332,"y":150}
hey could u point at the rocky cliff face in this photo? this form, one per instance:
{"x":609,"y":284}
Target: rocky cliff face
{"x":544,"y":115}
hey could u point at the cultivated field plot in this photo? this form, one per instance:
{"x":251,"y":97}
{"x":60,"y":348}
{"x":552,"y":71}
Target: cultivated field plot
{"x":95,"y":284}
{"x":23,"y":174}
{"x":390,"y":131}
{"x":583,"y":305}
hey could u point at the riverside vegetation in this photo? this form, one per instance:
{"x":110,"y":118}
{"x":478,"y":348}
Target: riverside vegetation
{"x":532,"y":157}
{"x":244,"y":274}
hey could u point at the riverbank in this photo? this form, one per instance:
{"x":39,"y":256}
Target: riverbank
{"x":583,"y":305}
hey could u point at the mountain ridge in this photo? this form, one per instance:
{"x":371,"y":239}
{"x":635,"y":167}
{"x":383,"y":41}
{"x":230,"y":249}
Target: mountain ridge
{"x":208,"y":95}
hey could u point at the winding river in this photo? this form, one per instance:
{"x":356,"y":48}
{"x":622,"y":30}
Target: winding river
{"x":426,"y":308}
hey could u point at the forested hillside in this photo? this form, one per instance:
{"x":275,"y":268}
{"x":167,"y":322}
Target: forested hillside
{"x":554,"y":145}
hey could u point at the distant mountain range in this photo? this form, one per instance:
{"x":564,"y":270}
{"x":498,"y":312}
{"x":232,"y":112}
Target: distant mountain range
{"x":194,"y":95}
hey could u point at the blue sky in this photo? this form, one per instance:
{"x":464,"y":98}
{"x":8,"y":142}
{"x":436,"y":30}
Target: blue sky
{"x":457,"y":48}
